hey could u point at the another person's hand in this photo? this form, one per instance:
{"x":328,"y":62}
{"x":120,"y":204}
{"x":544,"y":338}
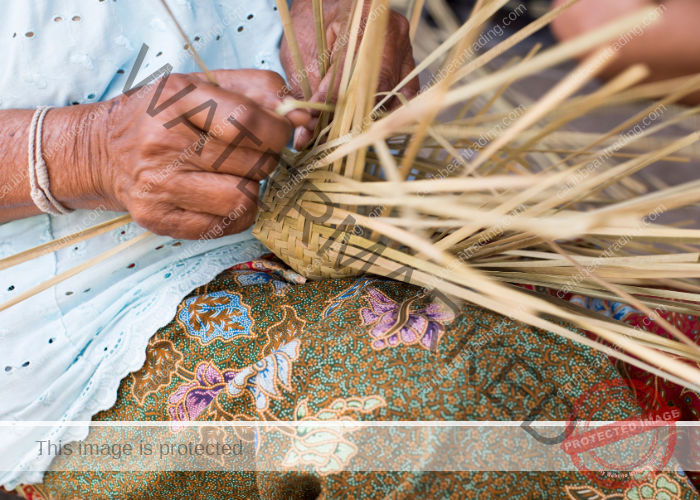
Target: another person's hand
{"x":669,"y":46}
{"x":397,"y":55}
{"x":155,"y":172}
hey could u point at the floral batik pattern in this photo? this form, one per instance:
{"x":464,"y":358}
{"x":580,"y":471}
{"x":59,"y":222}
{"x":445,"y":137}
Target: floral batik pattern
{"x":190,"y":400}
{"x":162,"y":360}
{"x":215,"y":315}
{"x":686,"y":400}
{"x":267,"y":378}
{"x":352,"y":291}
{"x":260,"y":344}
{"x":396,"y":324}
{"x":661,"y":487}
{"x":326,"y":448}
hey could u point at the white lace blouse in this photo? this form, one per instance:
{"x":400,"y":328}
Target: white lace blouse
{"x":63,"y":352}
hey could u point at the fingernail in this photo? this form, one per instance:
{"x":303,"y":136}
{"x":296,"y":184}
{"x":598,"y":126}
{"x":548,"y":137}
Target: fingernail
{"x":313,"y":123}
{"x":297,"y":139}
{"x":303,"y":137}
{"x":299,"y":118}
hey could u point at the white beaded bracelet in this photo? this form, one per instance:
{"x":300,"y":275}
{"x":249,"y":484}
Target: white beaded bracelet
{"x":38,"y":173}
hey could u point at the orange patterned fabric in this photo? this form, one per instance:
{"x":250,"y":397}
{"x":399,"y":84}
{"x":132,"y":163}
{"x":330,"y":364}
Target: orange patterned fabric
{"x":257,"y":344}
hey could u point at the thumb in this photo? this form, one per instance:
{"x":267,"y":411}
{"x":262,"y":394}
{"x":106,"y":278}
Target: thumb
{"x":323,"y":89}
{"x":339,"y":48}
{"x":303,"y":135}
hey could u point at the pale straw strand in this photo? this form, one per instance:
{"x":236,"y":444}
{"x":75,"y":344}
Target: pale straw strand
{"x":38,"y":173}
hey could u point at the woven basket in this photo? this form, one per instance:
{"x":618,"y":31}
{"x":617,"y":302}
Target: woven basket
{"x":363,"y":206}
{"x":422,"y":237}
{"x":294,"y":238}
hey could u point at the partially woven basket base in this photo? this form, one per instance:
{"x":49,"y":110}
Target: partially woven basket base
{"x":280,"y":227}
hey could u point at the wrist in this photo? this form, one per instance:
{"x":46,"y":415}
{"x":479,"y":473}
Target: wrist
{"x":75,"y":150}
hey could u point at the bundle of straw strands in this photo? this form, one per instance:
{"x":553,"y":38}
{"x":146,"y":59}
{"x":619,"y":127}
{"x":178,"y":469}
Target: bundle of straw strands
{"x":394,"y":194}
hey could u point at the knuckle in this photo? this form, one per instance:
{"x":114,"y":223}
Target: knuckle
{"x":296,"y":92}
{"x":180,"y":183}
{"x":400,"y":23}
{"x":272,"y":81}
{"x":386,"y":82}
{"x":145,"y":218}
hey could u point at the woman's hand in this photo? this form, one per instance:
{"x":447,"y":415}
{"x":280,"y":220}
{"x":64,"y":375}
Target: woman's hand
{"x":669,"y":47}
{"x":173,"y":178}
{"x":397,"y":54}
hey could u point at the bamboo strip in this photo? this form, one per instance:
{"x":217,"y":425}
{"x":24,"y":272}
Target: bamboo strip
{"x":609,"y":261}
{"x":415,"y":18}
{"x":319,"y":25}
{"x":66,"y":241}
{"x":472,"y":23}
{"x":290,"y":104}
{"x":542,"y":280}
{"x":515,"y":39}
{"x":189,"y":46}
{"x":675,"y":159}
{"x":554,"y":97}
{"x":294,"y":49}
{"x":648,"y":339}
{"x":580,"y":190}
{"x":633,"y":301}
{"x":631,"y":76}
{"x":688,"y":375}
{"x":419,"y":107}
{"x":72,"y":272}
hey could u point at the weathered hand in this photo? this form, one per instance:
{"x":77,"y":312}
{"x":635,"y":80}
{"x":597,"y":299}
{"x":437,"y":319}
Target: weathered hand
{"x":397,"y":54}
{"x":176,"y":180}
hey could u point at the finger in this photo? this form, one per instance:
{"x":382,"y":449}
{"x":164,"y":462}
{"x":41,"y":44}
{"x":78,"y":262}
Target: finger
{"x":265,"y":88}
{"x":212,"y":193}
{"x":309,"y":53}
{"x":238,"y":116}
{"x":244,"y":162}
{"x":322,"y":92}
{"x":298,"y":117}
{"x":250,"y":126}
{"x":185,"y":225}
{"x":209,"y":153}
{"x":339,"y":50}
{"x":313,"y":123}
{"x":302,"y":136}
{"x":410,"y":90}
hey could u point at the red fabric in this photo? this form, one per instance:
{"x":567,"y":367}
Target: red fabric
{"x":686,"y":400}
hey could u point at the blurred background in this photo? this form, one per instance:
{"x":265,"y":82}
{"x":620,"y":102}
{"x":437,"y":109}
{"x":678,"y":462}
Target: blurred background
{"x":445,"y":16}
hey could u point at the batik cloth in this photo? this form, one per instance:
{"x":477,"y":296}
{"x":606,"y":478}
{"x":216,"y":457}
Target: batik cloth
{"x":686,"y":400}
{"x":258,"y":343}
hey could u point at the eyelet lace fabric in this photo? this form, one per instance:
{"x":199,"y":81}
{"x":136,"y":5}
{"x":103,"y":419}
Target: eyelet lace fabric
{"x":66,"y":356}
{"x":64,"y":351}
